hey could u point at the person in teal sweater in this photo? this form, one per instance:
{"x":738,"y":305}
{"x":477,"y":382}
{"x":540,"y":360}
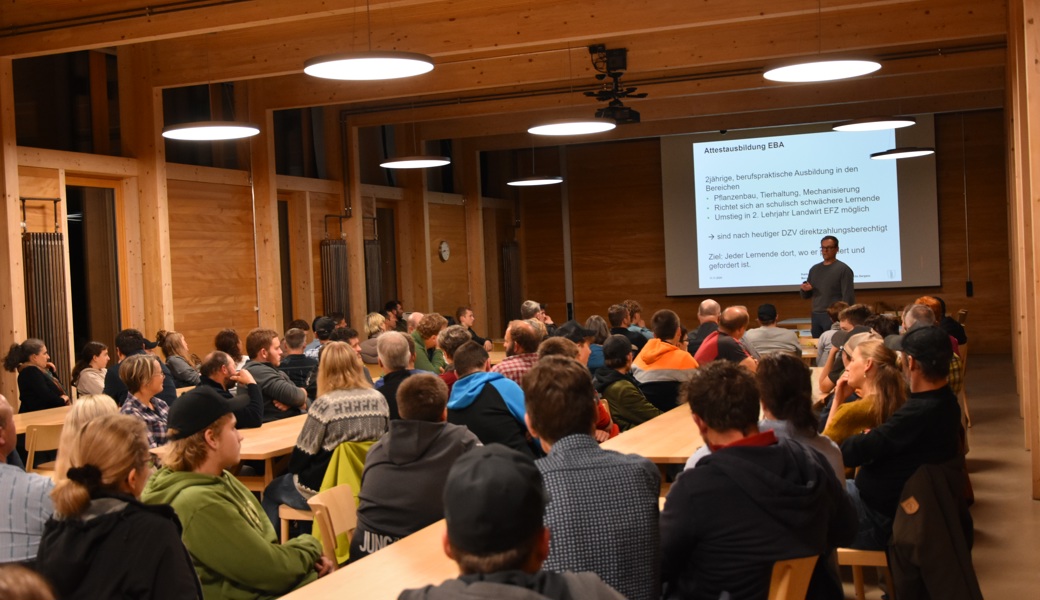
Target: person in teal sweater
{"x":231,"y":541}
{"x":428,"y":357}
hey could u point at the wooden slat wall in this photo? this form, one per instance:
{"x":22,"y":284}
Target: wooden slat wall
{"x":498,"y":230}
{"x":321,"y":205}
{"x":618,"y":244}
{"x":35,"y":182}
{"x":450,"y":279}
{"x":213,"y":261}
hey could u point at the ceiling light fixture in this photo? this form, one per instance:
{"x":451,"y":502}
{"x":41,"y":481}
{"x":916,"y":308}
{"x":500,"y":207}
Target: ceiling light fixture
{"x":875,"y":124}
{"x":573,"y":127}
{"x":210,"y":131}
{"x":897,"y":153}
{"x":536,"y":180}
{"x":821,"y":69}
{"x":369,"y":66}
{"x":415,"y":162}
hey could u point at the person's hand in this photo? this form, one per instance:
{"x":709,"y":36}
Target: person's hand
{"x":489,"y":345}
{"x":280,"y":406}
{"x":244,"y":377}
{"x":807,"y":287}
{"x":841,"y":389}
{"x":324,"y":566}
{"x":600,"y":435}
{"x":65,"y":398}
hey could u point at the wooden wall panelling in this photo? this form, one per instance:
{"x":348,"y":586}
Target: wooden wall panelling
{"x":541,"y":247}
{"x":141,"y":123}
{"x":413,"y":234}
{"x":467,"y":167}
{"x":301,"y":261}
{"x":99,"y":123}
{"x":354,"y":227}
{"x":214,"y":265}
{"x":12,"y":276}
{"x":494,"y":322}
{"x":36,"y":182}
{"x":265,"y":214}
{"x":128,"y":246}
{"x":449,"y":281}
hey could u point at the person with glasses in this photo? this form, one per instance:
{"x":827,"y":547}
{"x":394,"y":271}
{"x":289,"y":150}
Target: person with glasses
{"x":828,"y":282}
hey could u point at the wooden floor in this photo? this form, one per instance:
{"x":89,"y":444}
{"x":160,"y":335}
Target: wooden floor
{"x":1007,"y":520}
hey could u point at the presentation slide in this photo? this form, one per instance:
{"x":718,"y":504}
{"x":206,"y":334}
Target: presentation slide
{"x":755,"y":197}
{"x":744,"y":212}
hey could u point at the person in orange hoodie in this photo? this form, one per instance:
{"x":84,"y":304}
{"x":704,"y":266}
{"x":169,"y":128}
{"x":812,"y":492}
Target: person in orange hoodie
{"x":662,"y":366}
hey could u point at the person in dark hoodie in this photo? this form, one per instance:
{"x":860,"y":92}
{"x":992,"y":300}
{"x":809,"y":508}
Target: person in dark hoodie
{"x":218,"y":371}
{"x":614,"y":382}
{"x":753,"y":501}
{"x":494,"y":503}
{"x":403,"y":481}
{"x":104,"y":543}
{"x":282,"y":398}
{"x":488,"y":403}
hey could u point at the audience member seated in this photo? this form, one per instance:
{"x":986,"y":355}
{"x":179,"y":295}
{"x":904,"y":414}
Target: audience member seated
{"x":708,"y":314}
{"x":852,"y":320}
{"x":347,"y":410}
{"x":768,"y":337}
{"x":926,"y":430}
{"x":464,"y":316}
{"x":102,"y":542}
{"x":394,"y":313}
{"x":396,"y":357}
{"x":299,"y":367}
{"x":488,"y":403}
{"x":662,"y":366}
{"x":753,"y":501}
{"x":27,"y":502}
{"x":582,"y":338}
{"x":602,"y":505}
{"x":449,"y":340}
{"x":725,"y":343}
{"x":227,"y":341}
{"x":521,"y":342}
{"x":635,"y":317}
{"x":494,"y":502}
{"x":130,"y":342}
{"x":615,"y":383}
{"x":823,"y":343}
{"x":922,"y":315}
{"x":281,"y":397}
{"x":143,"y":377}
{"x":86,"y":409}
{"x":536,"y":311}
{"x":871,"y":372}
{"x":88,"y":374}
{"x":620,"y":320}
{"x":323,"y":328}
{"x":217,"y":371}
{"x":232,"y":544}
{"x":598,"y":327}
{"x":38,"y":385}
{"x":949,"y":324}
{"x":427,"y":356}
{"x":402,"y":487}
{"x":561,"y":346}
{"x":375,"y":325}
{"x":178,"y":358}
{"x":882,"y":324}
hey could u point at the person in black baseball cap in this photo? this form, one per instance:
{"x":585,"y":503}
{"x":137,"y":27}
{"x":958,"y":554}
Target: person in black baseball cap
{"x":494,"y":503}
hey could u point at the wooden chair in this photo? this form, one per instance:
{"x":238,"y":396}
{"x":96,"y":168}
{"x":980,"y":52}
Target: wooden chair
{"x":181,"y":390}
{"x":962,"y":316}
{"x":41,"y":438}
{"x":287,"y":513}
{"x":335,"y":513}
{"x":857,"y":559}
{"x":791,"y":578}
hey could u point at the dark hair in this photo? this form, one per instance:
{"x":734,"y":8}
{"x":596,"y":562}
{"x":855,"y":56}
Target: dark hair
{"x":343,"y":334}
{"x":633,"y":306}
{"x":295,"y":337}
{"x":613,"y":347}
{"x":460,"y":311}
{"x":664,"y":324}
{"x":227,"y":341}
{"x":470,"y":357}
{"x":856,"y":314}
{"x":616,"y":314}
{"x":785,"y":385}
{"x":213,"y":363}
{"x":390,"y":306}
{"x":831,"y":238}
{"x":299,"y":324}
{"x":834,"y":310}
{"x":259,"y":339}
{"x":560,"y":398}
{"x":884,"y":325}
{"x":724,"y":395}
{"x":88,"y":353}
{"x":20,"y":353}
{"x":336,"y":316}
{"x":557,"y":346}
{"x":422,"y":397}
{"x":524,"y":334}
{"x":507,"y":560}
{"x":129,"y":341}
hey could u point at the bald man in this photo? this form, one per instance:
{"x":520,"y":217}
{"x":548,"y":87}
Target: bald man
{"x":725,"y":343}
{"x":708,"y":316}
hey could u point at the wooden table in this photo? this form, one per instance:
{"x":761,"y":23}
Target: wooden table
{"x":665,"y":440}
{"x":49,"y":416}
{"x":496,"y":356}
{"x":415,"y":561}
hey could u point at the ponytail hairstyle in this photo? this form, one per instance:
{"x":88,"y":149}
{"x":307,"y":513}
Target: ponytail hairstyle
{"x":87,"y":408}
{"x":889,"y":384}
{"x":785,"y":386}
{"x":172,"y":344}
{"x":89,"y":352}
{"x":109,"y":448}
{"x":20,"y":353}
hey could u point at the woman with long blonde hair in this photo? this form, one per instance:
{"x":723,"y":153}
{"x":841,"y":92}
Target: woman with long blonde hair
{"x":102,"y":542}
{"x":874,"y":371}
{"x":347,"y":409}
{"x":86,"y":409}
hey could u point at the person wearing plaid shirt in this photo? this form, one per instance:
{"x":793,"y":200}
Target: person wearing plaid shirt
{"x":144,"y":379}
{"x":521,"y":351}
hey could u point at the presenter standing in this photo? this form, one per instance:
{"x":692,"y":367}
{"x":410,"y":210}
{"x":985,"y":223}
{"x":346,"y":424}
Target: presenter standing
{"x":828,"y":282}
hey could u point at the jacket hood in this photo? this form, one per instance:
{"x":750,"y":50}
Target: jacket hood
{"x":786,"y":482}
{"x":165,"y":484}
{"x":606,"y":377}
{"x":655,"y":350}
{"x":466,"y":389}
{"x":408,"y":440}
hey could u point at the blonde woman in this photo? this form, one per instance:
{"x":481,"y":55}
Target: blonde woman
{"x":347,"y":409}
{"x":178,"y":358}
{"x":375,"y":324}
{"x":872,"y":369}
{"x":102,"y":542}
{"x":86,"y":409}
{"x":144,"y":378}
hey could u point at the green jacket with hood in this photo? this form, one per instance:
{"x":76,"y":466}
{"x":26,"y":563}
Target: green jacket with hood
{"x":231,"y":541}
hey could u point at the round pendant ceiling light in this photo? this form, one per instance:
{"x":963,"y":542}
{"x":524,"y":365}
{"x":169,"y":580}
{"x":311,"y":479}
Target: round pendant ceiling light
{"x":897,"y":153}
{"x":210,"y":131}
{"x":415,"y":162}
{"x":573,"y":127}
{"x":875,"y":124}
{"x":369,"y":66}
{"x":821,"y":70}
{"x":535,"y":180}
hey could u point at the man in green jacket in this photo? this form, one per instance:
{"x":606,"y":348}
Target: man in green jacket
{"x":428,"y":357}
{"x":614,"y":382}
{"x":232,"y":543}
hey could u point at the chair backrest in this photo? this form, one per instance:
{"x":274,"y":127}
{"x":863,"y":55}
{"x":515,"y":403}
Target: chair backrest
{"x":962,"y":316}
{"x":791,"y":578}
{"x":335,"y":513}
{"x":40,"y":438}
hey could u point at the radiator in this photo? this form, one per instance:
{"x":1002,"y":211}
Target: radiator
{"x":334,"y":289}
{"x":45,"y":306}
